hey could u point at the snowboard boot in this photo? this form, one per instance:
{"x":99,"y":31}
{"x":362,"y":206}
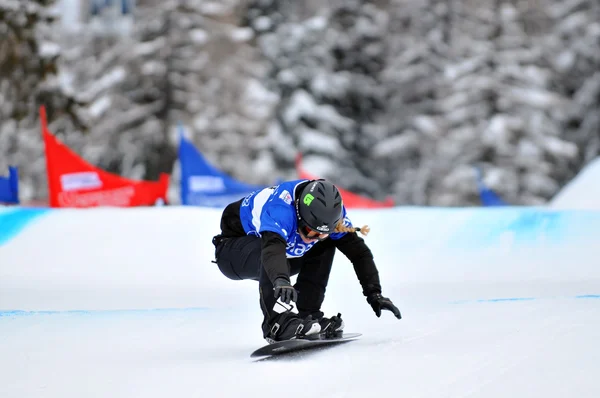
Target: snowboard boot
{"x":332,"y":327}
{"x":288,"y":326}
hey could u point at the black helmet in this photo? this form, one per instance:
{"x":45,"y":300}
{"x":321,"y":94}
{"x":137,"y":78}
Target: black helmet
{"x":319,"y":206}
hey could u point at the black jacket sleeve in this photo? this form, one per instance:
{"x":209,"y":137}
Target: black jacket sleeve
{"x":361,"y":257}
{"x":273,"y":256}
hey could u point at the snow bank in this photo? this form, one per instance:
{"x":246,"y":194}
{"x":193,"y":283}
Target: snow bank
{"x":583,"y":192}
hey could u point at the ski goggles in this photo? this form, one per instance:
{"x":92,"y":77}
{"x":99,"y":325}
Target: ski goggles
{"x":311,"y":234}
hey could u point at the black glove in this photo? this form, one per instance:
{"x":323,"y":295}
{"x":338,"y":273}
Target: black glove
{"x":378,"y":302}
{"x":285,"y":290}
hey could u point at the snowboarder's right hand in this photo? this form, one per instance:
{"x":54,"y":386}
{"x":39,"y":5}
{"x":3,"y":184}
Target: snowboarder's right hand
{"x":285,"y":290}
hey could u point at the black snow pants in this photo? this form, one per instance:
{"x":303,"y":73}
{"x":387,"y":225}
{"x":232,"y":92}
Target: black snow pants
{"x":240,"y":258}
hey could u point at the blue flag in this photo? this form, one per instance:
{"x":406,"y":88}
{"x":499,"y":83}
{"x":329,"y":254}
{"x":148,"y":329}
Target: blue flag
{"x":487,"y":196}
{"x":204,"y":185}
{"x":9,"y":187}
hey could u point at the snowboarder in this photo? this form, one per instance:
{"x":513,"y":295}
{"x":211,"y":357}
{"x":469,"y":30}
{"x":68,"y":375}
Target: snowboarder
{"x":288,"y":229}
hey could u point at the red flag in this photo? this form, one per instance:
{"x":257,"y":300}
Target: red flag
{"x":351,"y":200}
{"x":73,"y":182}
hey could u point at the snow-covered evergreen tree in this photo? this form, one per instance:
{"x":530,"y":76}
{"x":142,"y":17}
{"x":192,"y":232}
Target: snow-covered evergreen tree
{"x":572,"y":55}
{"x":414,"y":126}
{"x":524,"y":144}
{"x":121,"y":79}
{"x":216,"y":74}
{"x":326,"y":71}
{"x":29,"y":77}
{"x":183,"y":62}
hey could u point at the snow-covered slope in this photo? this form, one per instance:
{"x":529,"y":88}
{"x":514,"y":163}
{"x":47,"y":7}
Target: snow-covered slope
{"x":122,"y":303}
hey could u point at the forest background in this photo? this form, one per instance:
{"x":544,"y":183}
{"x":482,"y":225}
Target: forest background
{"x":395,"y":98}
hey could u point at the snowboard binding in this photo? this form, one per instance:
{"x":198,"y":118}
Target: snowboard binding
{"x":332,"y":327}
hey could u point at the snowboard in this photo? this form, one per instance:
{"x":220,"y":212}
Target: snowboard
{"x":288,"y":346}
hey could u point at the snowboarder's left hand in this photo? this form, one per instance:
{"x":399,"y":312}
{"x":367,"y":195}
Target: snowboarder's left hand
{"x":284,"y":290}
{"x":378,"y":302}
